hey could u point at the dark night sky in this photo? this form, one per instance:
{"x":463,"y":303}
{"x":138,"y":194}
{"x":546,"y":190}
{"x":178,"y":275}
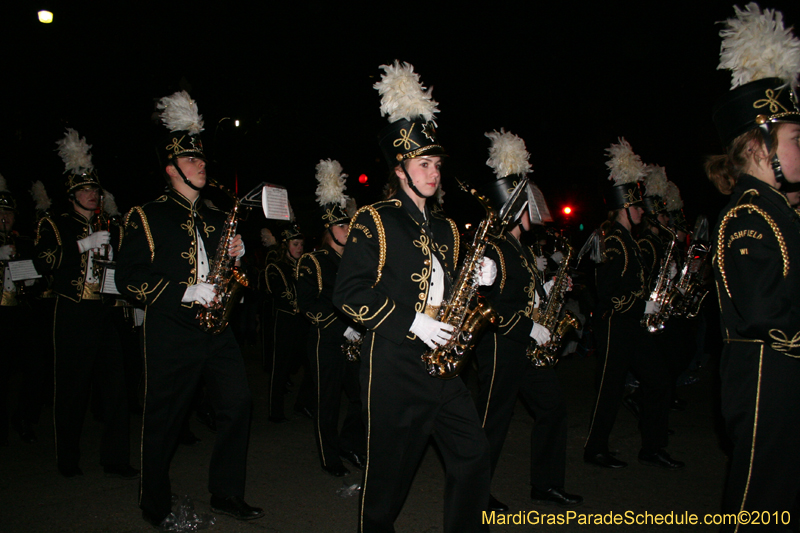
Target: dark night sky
{"x":299,"y":76}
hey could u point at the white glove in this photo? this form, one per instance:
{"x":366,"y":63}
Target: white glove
{"x":487,"y":272}
{"x":202,"y":293}
{"x":651,"y":307}
{"x":673,"y":270}
{"x":541,"y":262}
{"x":232,"y":250}
{"x":557,"y":257}
{"x":6,"y":252}
{"x":95,"y":240}
{"x":430,"y":331}
{"x":351,"y":334}
{"x":540,"y":334}
{"x":548,"y":286}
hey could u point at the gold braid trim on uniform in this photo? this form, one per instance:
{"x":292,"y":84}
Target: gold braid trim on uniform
{"x":624,"y":251}
{"x":652,"y":247}
{"x":381,"y":236}
{"x":422,"y":278}
{"x":142,"y":292}
{"x":721,"y":240}
{"x":315,"y":319}
{"x":145,"y":226}
{"x":783,"y":343}
{"x":361,"y":315}
{"x":502,"y":265}
{"x":456,"y":241}
{"x":316,"y":264}
{"x":52,"y":225}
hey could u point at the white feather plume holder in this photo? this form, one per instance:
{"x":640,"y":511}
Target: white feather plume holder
{"x":402,"y":94}
{"x":655,"y":182}
{"x":624,"y":165}
{"x":756,"y":45}
{"x":39,"y":195}
{"x":331,"y":183}
{"x":507,"y":154}
{"x":673,"y":197}
{"x":180,"y":113}
{"x":74,"y":152}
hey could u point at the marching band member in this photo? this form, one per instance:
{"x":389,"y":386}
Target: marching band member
{"x":504,"y":369}
{"x":85,"y":338}
{"x":623,"y":344}
{"x":316,"y":277}
{"x":394,"y":274}
{"x":756,"y":263}
{"x":162,"y":265}
{"x":288,"y":327}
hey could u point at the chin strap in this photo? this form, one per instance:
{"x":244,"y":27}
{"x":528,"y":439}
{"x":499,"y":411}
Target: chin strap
{"x":775,"y":163}
{"x":334,"y":238}
{"x":411,"y":182}
{"x":183,"y":176}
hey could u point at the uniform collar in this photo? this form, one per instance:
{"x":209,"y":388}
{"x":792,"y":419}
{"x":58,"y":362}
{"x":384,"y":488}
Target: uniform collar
{"x":182,"y":201}
{"x":747,"y":182}
{"x":79,"y":217}
{"x":412,"y":208}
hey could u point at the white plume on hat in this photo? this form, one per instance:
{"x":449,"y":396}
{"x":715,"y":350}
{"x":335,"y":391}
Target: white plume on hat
{"x":655,"y":182}
{"x":110,"y":204}
{"x":331,"y":183}
{"x":402,"y":94}
{"x":624,"y":165}
{"x":756,"y":45}
{"x":673,"y":197}
{"x":507,"y":154}
{"x":180,"y":113}
{"x":40,"y":198}
{"x":267,"y":238}
{"x":74,"y":151}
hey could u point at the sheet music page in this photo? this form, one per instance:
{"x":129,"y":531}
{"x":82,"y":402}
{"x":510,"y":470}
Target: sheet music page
{"x":108,"y":286}
{"x":22,"y":269}
{"x":275,"y":202}
{"x":541,"y":205}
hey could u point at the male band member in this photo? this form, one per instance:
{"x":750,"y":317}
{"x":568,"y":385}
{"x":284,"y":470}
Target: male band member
{"x":84,"y":334}
{"x":162,"y":266}
{"x":504,"y":369}
{"x":394,"y":274}
{"x":316,"y":277}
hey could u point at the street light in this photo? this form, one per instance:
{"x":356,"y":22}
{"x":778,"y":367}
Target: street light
{"x":45,"y":16}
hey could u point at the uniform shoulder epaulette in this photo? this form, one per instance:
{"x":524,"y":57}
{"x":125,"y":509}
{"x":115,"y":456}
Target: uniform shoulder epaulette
{"x":129,"y":223}
{"x":303,"y":268}
{"x":52,"y":224}
{"x":502,"y":266}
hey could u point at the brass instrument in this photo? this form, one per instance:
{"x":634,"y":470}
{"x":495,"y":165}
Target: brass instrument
{"x":467,"y":310}
{"x":690,"y":283}
{"x":100,"y":256}
{"x":224,"y":276}
{"x":352,"y":349}
{"x":663,"y":291}
{"x":545,"y":356}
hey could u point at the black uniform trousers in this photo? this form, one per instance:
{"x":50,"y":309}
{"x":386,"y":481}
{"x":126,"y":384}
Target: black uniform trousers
{"x":178,"y":354}
{"x":88,"y":351}
{"x":506,"y":372}
{"x":679,"y":341}
{"x":403,"y":408}
{"x":624,"y":345}
{"x":288,"y":353}
{"x":334,"y":374}
{"x":760,"y":395}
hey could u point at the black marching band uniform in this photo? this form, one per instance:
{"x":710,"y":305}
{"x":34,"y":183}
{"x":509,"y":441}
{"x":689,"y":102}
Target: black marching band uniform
{"x":383,"y":282}
{"x":757,"y":276}
{"x":316,"y":277}
{"x":165,"y":242}
{"x":623,"y":344}
{"x":85,"y":337}
{"x":288,"y":329}
{"x":505,"y":371}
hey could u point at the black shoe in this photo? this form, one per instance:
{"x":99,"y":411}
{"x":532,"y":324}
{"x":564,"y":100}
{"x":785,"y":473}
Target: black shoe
{"x":356,"y":459}
{"x":305,"y":411}
{"x":336,"y":471}
{"x":70,"y":471}
{"x":168,"y":523}
{"x":236,"y":507}
{"x":497,"y":505}
{"x":122,"y":472}
{"x":662,"y":459}
{"x":556,"y":496}
{"x":632,"y":405}
{"x":604,"y":459}
{"x":278,"y":419}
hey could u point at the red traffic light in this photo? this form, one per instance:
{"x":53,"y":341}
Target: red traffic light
{"x":567,"y":210}
{"x":362,"y":179}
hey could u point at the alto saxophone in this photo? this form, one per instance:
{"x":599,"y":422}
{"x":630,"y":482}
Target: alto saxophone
{"x":545,"y":355}
{"x":663,"y":292}
{"x":466,"y":310}
{"x":690,"y":283}
{"x":225,"y":277}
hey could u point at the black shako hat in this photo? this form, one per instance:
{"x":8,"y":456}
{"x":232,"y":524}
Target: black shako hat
{"x":179,"y":113}
{"x":626,"y":171}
